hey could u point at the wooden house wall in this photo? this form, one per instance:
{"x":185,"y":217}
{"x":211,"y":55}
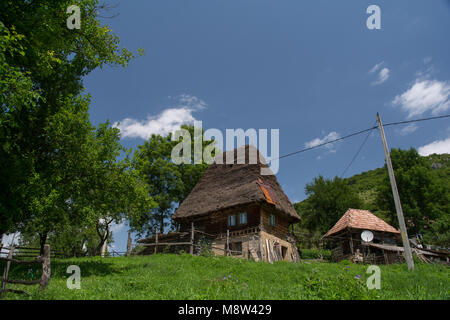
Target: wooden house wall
{"x":349,"y":241}
{"x":259,"y":243}
{"x":217,"y":222}
{"x":281,"y":228}
{"x":257,"y":216}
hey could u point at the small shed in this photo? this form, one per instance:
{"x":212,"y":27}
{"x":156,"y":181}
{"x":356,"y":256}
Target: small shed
{"x":347,"y":237}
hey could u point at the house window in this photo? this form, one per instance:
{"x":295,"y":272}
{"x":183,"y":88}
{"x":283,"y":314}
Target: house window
{"x":231,"y":220}
{"x":272,"y":220}
{"x":243,"y":218}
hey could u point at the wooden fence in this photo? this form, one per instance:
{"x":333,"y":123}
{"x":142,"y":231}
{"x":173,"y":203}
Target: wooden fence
{"x":191,"y":243}
{"x":24,"y":252}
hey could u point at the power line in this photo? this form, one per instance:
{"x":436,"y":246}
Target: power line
{"x":415,"y":120}
{"x":357,"y":152}
{"x":358,"y":133}
{"x":325,"y":143}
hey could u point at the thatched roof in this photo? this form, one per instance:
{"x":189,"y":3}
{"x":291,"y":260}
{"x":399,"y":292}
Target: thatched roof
{"x":229,"y":185}
{"x":360,"y":219}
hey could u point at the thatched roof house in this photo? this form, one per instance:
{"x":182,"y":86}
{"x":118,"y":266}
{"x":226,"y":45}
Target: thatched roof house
{"x":234,"y":198}
{"x":229,"y":185}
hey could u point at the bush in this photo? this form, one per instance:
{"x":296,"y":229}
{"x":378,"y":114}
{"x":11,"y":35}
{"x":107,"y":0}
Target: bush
{"x":316,"y":254}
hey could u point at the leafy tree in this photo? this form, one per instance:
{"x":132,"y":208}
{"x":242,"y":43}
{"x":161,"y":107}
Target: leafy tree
{"x":117,"y":192}
{"x":58,"y":180}
{"x":68,"y":240}
{"x":16,"y":88}
{"x":424,"y":196}
{"x":49,"y":157}
{"x":87,"y":188}
{"x":169,"y":183}
{"x":328,"y":200}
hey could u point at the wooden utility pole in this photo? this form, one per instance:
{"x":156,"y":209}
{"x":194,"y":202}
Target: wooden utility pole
{"x":398,"y":205}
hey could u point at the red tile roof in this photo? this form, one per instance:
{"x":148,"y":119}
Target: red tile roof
{"x":361,"y":219}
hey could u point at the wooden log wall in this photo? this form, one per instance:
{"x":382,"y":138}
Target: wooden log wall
{"x":217,"y":222}
{"x":281,"y":228}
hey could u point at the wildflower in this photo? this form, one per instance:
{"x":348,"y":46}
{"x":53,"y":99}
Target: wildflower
{"x":358,"y":276}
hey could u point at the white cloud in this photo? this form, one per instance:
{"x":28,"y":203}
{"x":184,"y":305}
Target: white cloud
{"x":166,"y":122}
{"x":117,"y":227}
{"x":408,"y":129}
{"x":438,"y":146}
{"x":383,"y":73}
{"x":376,"y":67}
{"x":424,"y":96}
{"x":318,"y":141}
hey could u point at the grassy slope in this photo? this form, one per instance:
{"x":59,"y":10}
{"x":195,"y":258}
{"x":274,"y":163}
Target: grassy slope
{"x":165,"y":276}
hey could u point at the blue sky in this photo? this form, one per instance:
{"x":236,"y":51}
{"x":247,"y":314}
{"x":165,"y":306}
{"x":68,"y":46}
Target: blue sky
{"x":311,"y":69}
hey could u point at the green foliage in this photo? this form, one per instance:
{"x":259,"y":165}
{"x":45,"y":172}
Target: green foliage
{"x":423,"y":183}
{"x":306,"y":237}
{"x":315,"y":254}
{"x":328,"y":200}
{"x":425,"y":197}
{"x":58,"y":171}
{"x":68,"y":240}
{"x":167,"y":276}
{"x":168,"y":183}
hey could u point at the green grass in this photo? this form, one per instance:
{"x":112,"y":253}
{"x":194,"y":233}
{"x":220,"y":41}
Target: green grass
{"x":166,"y":276}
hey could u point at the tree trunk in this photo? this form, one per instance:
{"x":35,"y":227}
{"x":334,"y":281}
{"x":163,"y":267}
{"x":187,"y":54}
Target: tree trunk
{"x":161,"y":228}
{"x":42,"y":241}
{"x":129,"y":244}
{"x":103,"y":239}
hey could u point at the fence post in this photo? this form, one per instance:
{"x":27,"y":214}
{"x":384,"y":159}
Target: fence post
{"x":6,"y":270}
{"x":191,"y":251}
{"x":228,"y":243}
{"x":156,"y":242}
{"x":45,"y":267}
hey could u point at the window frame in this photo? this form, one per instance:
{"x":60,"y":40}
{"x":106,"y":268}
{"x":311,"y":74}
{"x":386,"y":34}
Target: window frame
{"x":229,"y":220}
{"x":246,"y":218}
{"x":272,"y":217}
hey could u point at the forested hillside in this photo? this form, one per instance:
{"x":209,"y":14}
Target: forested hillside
{"x":366,"y":183}
{"x":424,"y":187}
